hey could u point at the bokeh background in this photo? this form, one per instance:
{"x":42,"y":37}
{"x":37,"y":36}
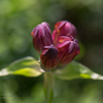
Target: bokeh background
{"x":17,"y":20}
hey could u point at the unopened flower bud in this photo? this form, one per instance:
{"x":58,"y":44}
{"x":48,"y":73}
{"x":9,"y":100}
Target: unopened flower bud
{"x":67,"y":51}
{"x":63,"y":28}
{"x":41,"y":37}
{"x":49,"y":57}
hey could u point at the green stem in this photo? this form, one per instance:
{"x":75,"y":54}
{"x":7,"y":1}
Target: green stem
{"x":48,"y":86}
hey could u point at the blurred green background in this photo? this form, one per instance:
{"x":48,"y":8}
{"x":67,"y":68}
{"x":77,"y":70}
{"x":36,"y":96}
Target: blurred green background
{"x":17,"y":20}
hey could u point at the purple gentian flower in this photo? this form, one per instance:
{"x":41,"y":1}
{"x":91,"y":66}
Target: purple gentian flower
{"x":58,"y":48}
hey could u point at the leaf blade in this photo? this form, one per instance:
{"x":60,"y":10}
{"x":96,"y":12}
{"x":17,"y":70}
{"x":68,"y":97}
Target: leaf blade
{"x":76,"y":70}
{"x":27,"y":66}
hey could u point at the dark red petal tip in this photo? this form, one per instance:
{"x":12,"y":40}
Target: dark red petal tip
{"x":49,"y":57}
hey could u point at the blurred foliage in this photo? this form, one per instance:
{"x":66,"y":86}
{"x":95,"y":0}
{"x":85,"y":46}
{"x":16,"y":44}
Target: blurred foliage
{"x":19,"y":17}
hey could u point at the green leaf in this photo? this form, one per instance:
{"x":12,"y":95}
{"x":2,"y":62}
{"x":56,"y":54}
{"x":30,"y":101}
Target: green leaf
{"x":48,"y":86}
{"x":76,"y":70}
{"x":27,"y":66}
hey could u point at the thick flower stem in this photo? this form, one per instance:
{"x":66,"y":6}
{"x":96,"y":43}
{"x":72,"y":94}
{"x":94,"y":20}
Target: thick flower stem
{"x":48,"y":86}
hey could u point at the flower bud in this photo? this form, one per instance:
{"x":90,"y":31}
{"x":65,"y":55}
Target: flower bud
{"x":49,"y":57}
{"x":68,"y":49}
{"x":63,"y":28}
{"x":41,"y":37}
